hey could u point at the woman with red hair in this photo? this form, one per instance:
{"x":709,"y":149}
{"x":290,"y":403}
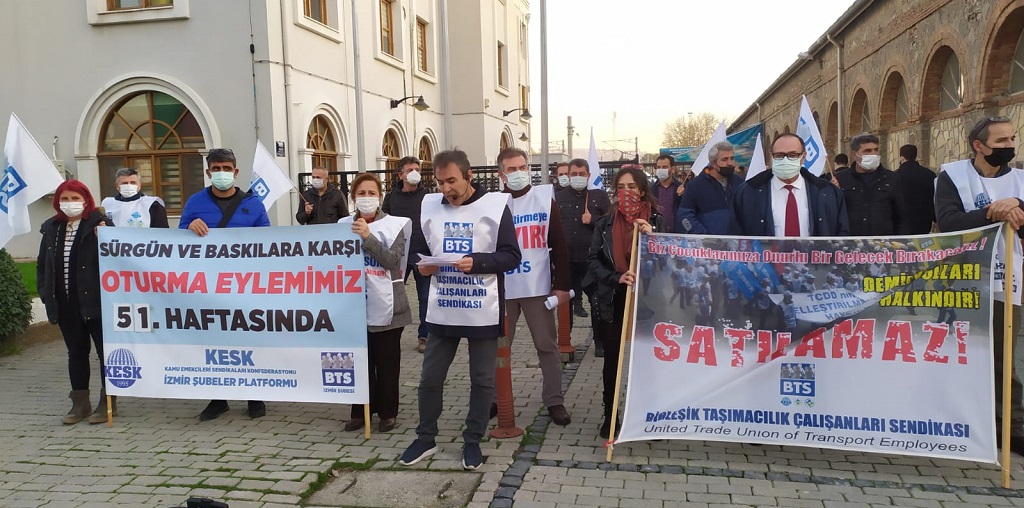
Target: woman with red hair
{"x":68,"y":280}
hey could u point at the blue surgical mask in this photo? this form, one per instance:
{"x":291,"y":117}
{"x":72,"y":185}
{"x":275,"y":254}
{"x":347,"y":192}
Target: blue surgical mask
{"x":223,"y":180}
{"x":518,"y":180}
{"x":785,"y":168}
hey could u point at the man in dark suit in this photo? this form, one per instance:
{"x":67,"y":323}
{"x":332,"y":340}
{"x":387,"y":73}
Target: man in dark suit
{"x":918,"y":184}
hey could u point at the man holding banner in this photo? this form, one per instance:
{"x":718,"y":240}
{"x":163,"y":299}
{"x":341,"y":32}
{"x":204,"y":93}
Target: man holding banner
{"x":222,"y":205}
{"x":131,"y":208}
{"x":472,"y":241}
{"x":972,"y":193}
{"x":788,"y":200}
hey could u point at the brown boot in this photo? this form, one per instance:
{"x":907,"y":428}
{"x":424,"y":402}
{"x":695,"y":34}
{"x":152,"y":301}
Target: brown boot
{"x":100,"y":414}
{"x":80,"y":408}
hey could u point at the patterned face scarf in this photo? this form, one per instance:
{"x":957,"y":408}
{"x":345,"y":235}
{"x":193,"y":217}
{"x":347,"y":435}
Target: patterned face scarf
{"x":631,"y":207}
{"x":629,"y":203}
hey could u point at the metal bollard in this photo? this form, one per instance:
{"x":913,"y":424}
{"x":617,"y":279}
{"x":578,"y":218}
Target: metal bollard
{"x":503,"y":384}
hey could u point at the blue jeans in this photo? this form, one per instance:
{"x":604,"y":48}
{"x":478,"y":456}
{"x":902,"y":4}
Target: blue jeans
{"x":422,"y":290}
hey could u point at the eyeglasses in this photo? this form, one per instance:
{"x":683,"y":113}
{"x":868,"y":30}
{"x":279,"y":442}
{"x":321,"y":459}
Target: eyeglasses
{"x":793,"y":156}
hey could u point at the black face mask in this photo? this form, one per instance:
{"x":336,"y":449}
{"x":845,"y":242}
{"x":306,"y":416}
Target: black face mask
{"x":726,"y":171}
{"x":1000,"y":156}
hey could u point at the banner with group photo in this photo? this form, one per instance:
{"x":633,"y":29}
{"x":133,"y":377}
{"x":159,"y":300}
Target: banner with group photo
{"x":274,"y":313}
{"x":869,"y":344}
{"x":744,"y":142}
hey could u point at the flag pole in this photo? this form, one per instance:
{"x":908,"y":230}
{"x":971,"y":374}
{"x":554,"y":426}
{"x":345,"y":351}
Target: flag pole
{"x":366,"y":420}
{"x":1008,"y":261}
{"x":627,"y":329}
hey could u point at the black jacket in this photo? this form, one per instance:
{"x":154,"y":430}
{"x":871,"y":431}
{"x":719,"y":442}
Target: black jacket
{"x":753,"y":206}
{"x":874,"y":203}
{"x":571,"y":204}
{"x":602,"y":280}
{"x":84,"y":276}
{"x":918,"y":184}
{"x":408,"y":204}
{"x":327,"y":209}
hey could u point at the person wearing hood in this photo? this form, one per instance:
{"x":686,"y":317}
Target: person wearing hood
{"x":130,"y":207}
{"x":873,"y":194}
{"x":322,"y":202}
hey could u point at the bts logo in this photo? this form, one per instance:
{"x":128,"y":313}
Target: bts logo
{"x":122,"y":370}
{"x":338,"y":368}
{"x":797,"y":379}
{"x":260,"y":189}
{"x":458,"y":238}
{"x":811,"y":147}
{"x":11,"y":184}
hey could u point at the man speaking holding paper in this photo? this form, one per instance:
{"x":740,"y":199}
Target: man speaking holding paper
{"x":473,"y":230}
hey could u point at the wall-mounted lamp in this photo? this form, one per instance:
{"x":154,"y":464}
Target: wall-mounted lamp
{"x":523,"y":137}
{"x":525,"y":115}
{"x":420,"y":104}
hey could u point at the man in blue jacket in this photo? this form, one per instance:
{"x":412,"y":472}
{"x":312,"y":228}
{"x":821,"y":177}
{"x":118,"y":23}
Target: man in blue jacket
{"x":788,"y":200}
{"x":222,"y":205}
{"x":706,"y":207}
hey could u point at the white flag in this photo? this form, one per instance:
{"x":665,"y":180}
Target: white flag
{"x":28,"y":174}
{"x":807,"y":129}
{"x":596,"y":177}
{"x":702,"y":160}
{"x":268,"y":181}
{"x":757,"y":163}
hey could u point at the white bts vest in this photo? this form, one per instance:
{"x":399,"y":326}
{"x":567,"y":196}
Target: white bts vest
{"x":132,"y":214}
{"x":380,"y":296}
{"x":531,"y":213}
{"x":977,"y":192}
{"x":457,"y":298}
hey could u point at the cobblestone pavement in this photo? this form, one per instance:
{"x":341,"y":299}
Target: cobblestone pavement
{"x":158,"y":454}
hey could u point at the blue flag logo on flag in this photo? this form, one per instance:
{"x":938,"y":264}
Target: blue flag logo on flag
{"x":11,"y":184}
{"x":260,"y":189}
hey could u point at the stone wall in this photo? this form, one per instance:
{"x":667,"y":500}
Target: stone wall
{"x":907,"y":41}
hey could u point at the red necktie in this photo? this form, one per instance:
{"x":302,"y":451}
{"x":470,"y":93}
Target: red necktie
{"x":792,"y":215}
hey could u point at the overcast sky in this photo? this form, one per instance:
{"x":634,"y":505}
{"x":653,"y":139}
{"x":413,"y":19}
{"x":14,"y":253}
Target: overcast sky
{"x":644,"y":63}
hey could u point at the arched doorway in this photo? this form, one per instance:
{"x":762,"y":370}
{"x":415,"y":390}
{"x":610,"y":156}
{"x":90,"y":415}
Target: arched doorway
{"x":894,"y":108}
{"x":157,"y":135}
{"x":426,"y":157}
{"x":943,"y":83}
{"x":860,"y":119}
{"x":505,"y":142}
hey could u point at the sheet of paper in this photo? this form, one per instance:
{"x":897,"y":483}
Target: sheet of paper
{"x":442,"y":260}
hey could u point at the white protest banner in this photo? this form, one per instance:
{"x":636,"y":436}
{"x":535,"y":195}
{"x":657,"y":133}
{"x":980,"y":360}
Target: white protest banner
{"x":814,"y":147}
{"x":27,"y":175}
{"x":800,"y":362}
{"x":275,"y":313}
{"x":268,"y":181}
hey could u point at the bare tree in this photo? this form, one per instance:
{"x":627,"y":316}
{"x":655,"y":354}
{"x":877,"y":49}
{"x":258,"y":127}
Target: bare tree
{"x":690,"y":130}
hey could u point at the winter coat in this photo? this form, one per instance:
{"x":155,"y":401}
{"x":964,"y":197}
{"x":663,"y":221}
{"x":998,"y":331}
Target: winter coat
{"x":84,"y":275}
{"x":602,"y":278}
{"x":874,"y":204}
{"x":753,"y":206}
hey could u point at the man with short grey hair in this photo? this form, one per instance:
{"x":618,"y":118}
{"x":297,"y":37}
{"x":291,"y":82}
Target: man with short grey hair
{"x":706,"y":207}
{"x":323,"y":202}
{"x":130,"y":207}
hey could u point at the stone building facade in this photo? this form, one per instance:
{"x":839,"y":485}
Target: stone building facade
{"x":909,"y":71}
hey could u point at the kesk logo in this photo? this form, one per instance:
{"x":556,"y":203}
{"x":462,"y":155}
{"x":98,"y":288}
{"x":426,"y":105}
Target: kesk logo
{"x":458,"y":238}
{"x":338,"y":368}
{"x":796,"y":380}
{"x":122,"y":369}
{"x":11,"y":184}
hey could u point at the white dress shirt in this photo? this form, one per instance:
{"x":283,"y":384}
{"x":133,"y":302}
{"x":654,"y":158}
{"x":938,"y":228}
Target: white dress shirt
{"x":780,"y":196}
